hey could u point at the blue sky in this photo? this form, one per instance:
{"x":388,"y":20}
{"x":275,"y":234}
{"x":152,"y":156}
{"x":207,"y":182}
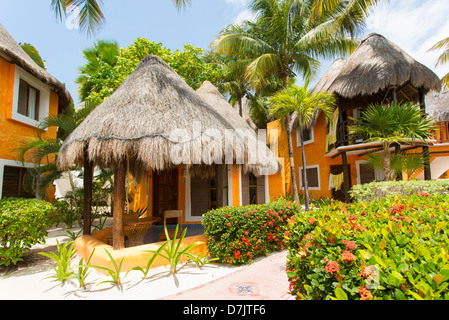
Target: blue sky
{"x":415,"y":25}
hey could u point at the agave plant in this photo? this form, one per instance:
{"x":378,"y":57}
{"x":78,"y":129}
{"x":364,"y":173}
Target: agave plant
{"x":63,"y":268}
{"x":171,"y":249}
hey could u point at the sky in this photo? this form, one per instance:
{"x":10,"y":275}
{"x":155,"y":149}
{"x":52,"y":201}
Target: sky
{"x":414,"y":25}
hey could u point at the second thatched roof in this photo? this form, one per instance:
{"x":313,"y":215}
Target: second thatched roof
{"x":154,"y":117}
{"x":437,"y":105}
{"x":378,"y":64}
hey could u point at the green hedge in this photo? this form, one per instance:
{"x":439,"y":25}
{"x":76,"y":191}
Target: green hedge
{"x":239,"y":234}
{"x":394,"y":248}
{"x":378,"y":190}
{"x":23,"y":223}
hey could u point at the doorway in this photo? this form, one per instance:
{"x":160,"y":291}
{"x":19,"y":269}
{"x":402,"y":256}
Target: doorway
{"x":165,"y":193}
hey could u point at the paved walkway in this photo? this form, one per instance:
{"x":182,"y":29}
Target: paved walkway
{"x":265,"y":279}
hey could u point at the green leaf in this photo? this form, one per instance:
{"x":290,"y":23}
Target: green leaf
{"x":340,"y":294}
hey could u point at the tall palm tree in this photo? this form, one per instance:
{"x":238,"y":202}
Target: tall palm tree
{"x":102,"y":53}
{"x":307,"y":105}
{"x":443,"y":58}
{"x":90,"y":15}
{"x":396,"y":123}
{"x":286,"y":40}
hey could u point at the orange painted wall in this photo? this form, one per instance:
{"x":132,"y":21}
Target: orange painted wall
{"x":11,"y":131}
{"x":235,"y":186}
{"x":315,"y":155}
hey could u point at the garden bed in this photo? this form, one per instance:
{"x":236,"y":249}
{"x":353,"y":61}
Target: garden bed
{"x":394,"y":248}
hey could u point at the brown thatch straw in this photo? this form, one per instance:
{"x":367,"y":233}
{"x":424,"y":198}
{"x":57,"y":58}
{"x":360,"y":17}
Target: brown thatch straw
{"x":12,"y":52}
{"x":138,"y":120}
{"x":378,"y":64}
{"x":437,"y":105}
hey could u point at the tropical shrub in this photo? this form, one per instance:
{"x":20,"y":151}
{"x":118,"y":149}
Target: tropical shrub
{"x":239,"y":234}
{"x":23,"y":223}
{"x":377,"y":190}
{"x":394,"y":248}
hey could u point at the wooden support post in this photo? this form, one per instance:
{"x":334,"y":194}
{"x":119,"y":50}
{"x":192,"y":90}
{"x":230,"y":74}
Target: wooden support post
{"x":394,"y":95}
{"x":88,"y":177}
{"x":426,"y":155}
{"x":346,"y":176}
{"x":397,"y":151}
{"x":118,"y":235}
{"x":342,"y":128}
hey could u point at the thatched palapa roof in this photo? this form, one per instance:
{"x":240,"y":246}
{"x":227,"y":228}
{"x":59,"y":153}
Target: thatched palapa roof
{"x":209,"y":93}
{"x":138,"y":121}
{"x":13,"y":53}
{"x":437,"y":105}
{"x":377,"y":65}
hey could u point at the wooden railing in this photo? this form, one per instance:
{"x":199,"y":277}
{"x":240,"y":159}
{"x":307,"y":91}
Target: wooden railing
{"x":440,"y":134}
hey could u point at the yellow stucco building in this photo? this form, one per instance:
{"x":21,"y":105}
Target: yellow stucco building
{"x":28,"y":94}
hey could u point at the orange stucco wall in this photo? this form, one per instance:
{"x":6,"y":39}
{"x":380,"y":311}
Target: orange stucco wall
{"x":11,"y":131}
{"x":315,"y":155}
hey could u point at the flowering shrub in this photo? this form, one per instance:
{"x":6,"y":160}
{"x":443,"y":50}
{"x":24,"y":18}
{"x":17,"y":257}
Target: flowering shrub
{"x":394,"y":248}
{"x":239,"y":234}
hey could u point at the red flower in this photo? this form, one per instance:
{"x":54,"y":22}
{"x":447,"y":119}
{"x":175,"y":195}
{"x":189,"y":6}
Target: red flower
{"x":237,"y":254}
{"x":229,"y":224}
{"x":348,"y":256}
{"x":331,"y":267}
{"x":425,"y":194}
{"x":312,"y":220}
{"x":365,"y":293}
{"x":349,"y":244}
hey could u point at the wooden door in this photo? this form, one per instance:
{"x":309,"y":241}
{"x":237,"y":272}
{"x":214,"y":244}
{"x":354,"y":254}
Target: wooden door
{"x":165,"y":192}
{"x":339,"y":194}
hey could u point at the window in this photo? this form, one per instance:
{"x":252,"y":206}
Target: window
{"x":13,"y":183}
{"x":209,"y":194}
{"x":308,"y":137}
{"x":28,"y":104}
{"x":31,"y":100}
{"x":253,"y":189}
{"x":313,"y":177}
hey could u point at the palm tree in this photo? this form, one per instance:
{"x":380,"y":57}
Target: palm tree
{"x":44,"y":152}
{"x":102,"y":53}
{"x":307,"y":105}
{"x":90,"y":15}
{"x":396,"y":123}
{"x":286,"y":40}
{"x":443,"y":58}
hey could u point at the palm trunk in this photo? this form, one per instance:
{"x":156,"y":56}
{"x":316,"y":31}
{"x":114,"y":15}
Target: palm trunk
{"x":290,"y":149}
{"x":386,"y":161}
{"x":304,"y":172}
{"x":240,"y":107}
{"x":292,"y":160}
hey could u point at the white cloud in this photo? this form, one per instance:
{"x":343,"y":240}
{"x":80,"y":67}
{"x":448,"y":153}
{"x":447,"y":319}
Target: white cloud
{"x":415,"y":26}
{"x":237,"y":3}
{"x":245,"y":15}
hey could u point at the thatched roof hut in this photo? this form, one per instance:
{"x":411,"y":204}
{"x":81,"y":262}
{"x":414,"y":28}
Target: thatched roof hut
{"x":437,"y":105}
{"x":153,"y":113}
{"x":377,"y":66}
{"x":13,"y":53}
{"x":215,"y":99}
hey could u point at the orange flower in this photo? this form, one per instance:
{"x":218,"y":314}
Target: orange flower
{"x":365,"y":293}
{"x":331,"y":267}
{"x":348,"y":256}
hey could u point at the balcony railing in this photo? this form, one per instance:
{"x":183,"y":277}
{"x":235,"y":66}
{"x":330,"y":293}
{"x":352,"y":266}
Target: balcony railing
{"x":440,"y":134}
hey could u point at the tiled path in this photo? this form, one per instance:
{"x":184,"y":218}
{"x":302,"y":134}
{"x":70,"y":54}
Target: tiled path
{"x":265,"y":279}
